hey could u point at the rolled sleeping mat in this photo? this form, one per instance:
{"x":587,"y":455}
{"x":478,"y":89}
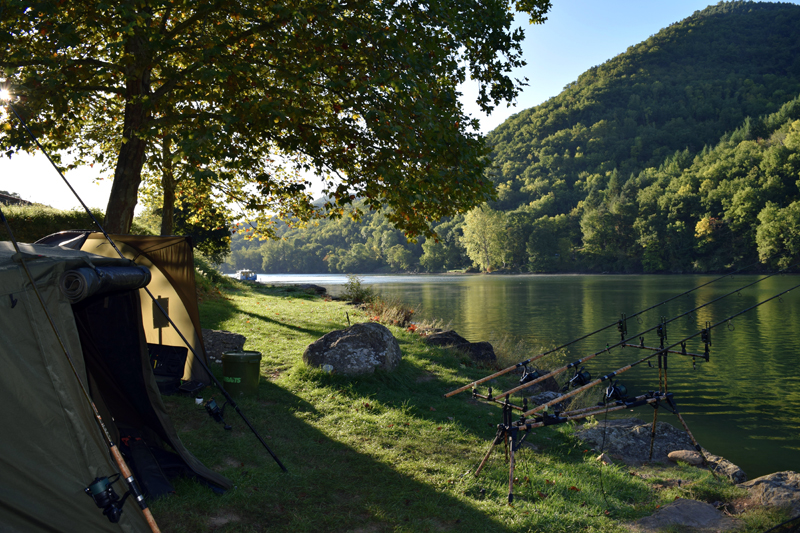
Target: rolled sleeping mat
{"x":81,"y":283}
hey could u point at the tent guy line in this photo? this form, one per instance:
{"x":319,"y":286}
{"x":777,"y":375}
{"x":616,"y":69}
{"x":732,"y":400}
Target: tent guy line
{"x":229,"y":399}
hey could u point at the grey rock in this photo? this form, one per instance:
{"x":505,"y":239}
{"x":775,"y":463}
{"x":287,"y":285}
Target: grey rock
{"x":687,"y":456}
{"x":310,"y":287}
{"x":628,"y":440}
{"x":445,"y":338}
{"x":546,"y":397}
{"x":217,"y":342}
{"x":781,"y":489}
{"x":478,"y":351}
{"x":680,"y":514}
{"x":359,"y":349}
{"x":723,"y":467}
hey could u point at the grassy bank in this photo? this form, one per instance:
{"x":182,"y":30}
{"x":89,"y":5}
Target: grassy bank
{"x":388,"y":452}
{"x":32,"y":222}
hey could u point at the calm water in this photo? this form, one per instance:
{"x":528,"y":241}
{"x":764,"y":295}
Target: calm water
{"x":744,"y":404}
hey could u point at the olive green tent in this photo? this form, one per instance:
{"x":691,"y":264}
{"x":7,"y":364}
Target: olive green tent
{"x":171,"y":265}
{"x":52,"y":447}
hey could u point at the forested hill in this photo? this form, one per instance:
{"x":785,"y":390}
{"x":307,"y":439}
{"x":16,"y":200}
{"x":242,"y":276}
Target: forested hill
{"x":680,"y":155}
{"x":681,"y":88}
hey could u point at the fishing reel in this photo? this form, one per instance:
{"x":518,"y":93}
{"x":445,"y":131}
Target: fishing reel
{"x":581,"y":378}
{"x":105,"y":498}
{"x":615,"y":392}
{"x":528,"y":376}
{"x":216,"y":412}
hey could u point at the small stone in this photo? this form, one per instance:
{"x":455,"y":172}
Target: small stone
{"x":445,"y":338}
{"x":603,"y":458}
{"x":686,"y":456}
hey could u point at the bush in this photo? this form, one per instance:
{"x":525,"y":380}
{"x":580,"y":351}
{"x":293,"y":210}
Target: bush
{"x":392,"y":312}
{"x":356,"y":291}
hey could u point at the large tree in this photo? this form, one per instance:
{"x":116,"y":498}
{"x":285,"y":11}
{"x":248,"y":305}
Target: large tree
{"x":364,"y":92}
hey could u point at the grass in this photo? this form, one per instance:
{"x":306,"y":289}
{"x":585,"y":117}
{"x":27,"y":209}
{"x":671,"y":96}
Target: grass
{"x":387,"y":452}
{"x":33,"y":222}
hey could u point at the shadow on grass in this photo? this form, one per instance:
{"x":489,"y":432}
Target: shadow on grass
{"x":330,"y":486}
{"x":298,"y":329}
{"x":214,"y":313}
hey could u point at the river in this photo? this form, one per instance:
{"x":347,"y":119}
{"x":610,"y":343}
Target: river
{"x":744,"y":404}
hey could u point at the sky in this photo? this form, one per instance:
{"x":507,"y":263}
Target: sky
{"x":577,"y":35}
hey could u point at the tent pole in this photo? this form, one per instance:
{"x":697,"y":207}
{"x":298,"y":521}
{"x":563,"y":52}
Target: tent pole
{"x":113,"y":245}
{"x":228,"y":397}
{"x":123,"y":467}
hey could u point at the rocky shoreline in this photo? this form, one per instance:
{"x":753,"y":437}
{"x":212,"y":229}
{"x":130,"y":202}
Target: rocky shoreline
{"x":627,"y":441}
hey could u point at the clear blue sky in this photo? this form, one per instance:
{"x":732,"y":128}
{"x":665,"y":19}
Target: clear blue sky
{"x":577,"y":35}
{"x":580,"y":34}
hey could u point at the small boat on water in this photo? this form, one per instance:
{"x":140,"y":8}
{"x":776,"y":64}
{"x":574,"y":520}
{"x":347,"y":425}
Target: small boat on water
{"x":246,"y":275}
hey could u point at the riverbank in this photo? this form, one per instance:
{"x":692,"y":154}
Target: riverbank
{"x":387,"y":452}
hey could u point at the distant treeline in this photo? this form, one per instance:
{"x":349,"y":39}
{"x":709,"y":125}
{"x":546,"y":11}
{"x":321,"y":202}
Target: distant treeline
{"x":680,"y":155}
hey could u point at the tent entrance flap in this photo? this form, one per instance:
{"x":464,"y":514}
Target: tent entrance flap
{"x":170,"y":261}
{"x":121,"y":372}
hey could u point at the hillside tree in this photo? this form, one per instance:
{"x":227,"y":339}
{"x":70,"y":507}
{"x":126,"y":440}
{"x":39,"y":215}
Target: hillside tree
{"x":484,"y":236}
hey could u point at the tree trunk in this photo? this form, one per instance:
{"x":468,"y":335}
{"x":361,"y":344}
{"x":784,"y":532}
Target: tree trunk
{"x":125,"y":189}
{"x":128,"y":172}
{"x":168,"y":187}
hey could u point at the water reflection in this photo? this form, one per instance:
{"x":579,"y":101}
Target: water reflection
{"x":744,"y":404}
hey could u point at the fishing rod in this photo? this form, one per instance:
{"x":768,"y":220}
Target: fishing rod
{"x":100,"y":490}
{"x":619,"y":323}
{"x":571,"y":413}
{"x":661,"y":351}
{"x":628,"y":403}
{"x":228,"y":398}
{"x":624,"y":342}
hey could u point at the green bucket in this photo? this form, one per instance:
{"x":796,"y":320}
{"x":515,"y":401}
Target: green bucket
{"x":241,"y":371}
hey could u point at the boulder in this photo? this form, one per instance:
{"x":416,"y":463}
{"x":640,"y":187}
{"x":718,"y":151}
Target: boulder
{"x":311,"y":288}
{"x":781,"y":489}
{"x":218,"y":342}
{"x":546,"y":397}
{"x":628,"y":440}
{"x":725,"y":468}
{"x":359,"y":349}
{"x":478,"y":351}
{"x":683,"y":514}
{"x":445,"y":338}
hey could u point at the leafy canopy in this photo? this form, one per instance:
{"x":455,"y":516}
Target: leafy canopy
{"x":363,"y":92}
